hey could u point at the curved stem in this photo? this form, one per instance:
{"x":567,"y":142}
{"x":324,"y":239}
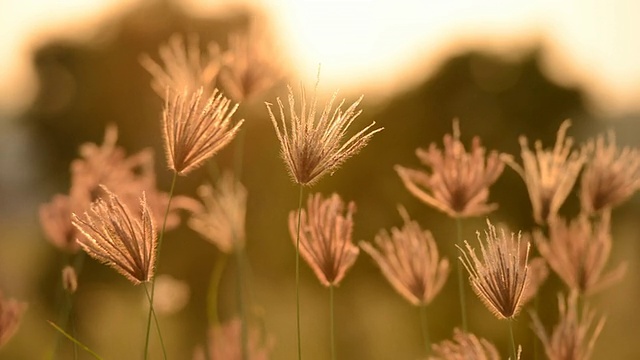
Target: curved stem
{"x":153,"y":281}
{"x":332,"y":324}
{"x":214,"y":287}
{"x":75,"y":341}
{"x":463,"y":307}
{"x":425,"y":328}
{"x":298,"y":272}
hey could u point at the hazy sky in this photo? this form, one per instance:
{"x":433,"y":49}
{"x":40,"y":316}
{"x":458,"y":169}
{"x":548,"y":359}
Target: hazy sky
{"x":378,"y":46}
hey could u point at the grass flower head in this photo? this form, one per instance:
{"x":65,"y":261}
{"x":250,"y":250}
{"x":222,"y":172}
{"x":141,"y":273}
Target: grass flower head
{"x":464,"y":346}
{"x":224,"y":343}
{"x":11,"y":312}
{"x":116,"y":238}
{"x":312,"y":147}
{"x":610,"y":177}
{"x":325,"y":237}
{"x":500,"y":276}
{"x":221,"y":218}
{"x":549,"y":174}
{"x":459,"y":182}
{"x":195,"y":128}
{"x":409,"y":259}
{"x":578,"y":253}
{"x":186,"y":68}
{"x":574,"y":337}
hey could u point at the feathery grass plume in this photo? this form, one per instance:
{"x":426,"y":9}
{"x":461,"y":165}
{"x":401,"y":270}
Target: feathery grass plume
{"x":464,"y":346}
{"x":610,"y":177}
{"x":409,"y":259}
{"x":249,"y":66}
{"x":574,"y":337}
{"x":578,"y":253}
{"x":126,"y":176}
{"x":186,"y":67}
{"x":224,"y":343}
{"x":459,"y":182}
{"x":11,"y":312}
{"x":549,"y":174}
{"x":325,"y":237}
{"x":313,"y":147}
{"x":116,"y":238}
{"x":500,"y":277}
{"x":221,"y":219}
{"x":194,"y":128}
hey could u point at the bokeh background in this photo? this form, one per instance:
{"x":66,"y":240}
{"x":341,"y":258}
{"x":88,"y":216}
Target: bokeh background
{"x":504,"y":68}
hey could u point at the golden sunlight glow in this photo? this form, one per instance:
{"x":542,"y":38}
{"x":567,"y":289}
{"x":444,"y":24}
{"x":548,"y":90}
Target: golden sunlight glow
{"x":381,"y":46}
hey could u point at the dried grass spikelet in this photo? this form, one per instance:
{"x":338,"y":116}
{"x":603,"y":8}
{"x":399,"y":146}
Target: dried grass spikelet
{"x":249,"y":66}
{"x":69,"y":279}
{"x":574,"y":337}
{"x":313,"y":147}
{"x":225,"y":343}
{"x":325,"y":237}
{"x":459,"y":182}
{"x":185,"y":68}
{"x":409,"y":259}
{"x":221,"y":217}
{"x":549,"y":174}
{"x":11,"y":312}
{"x":610,"y":177}
{"x":464,"y":346}
{"x":195,"y":128}
{"x":578,"y":253}
{"x":500,"y":277}
{"x":116,"y":238}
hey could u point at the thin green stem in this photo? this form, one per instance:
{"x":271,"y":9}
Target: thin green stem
{"x":298,"y":272}
{"x":67,"y":308}
{"x":153,"y":281}
{"x":214,"y":287}
{"x":243,"y":314}
{"x":83,"y":346}
{"x":155,"y":319}
{"x":463,"y":307}
{"x":513,"y":341}
{"x":332,"y":324}
{"x":424,"y":324}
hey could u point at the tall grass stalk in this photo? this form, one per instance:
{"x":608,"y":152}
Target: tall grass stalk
{"x":513,"y":341}
{"x":424,"y":324}
{"x":298,"y":272}
{"x":155,"y":318}
{"x":463,"y":307}
{"x":332,"y":324}
{"x":241,"y":305}
{"x":238,"y":157}
{"x":214,"y":289}
{"x":153,"y":282}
